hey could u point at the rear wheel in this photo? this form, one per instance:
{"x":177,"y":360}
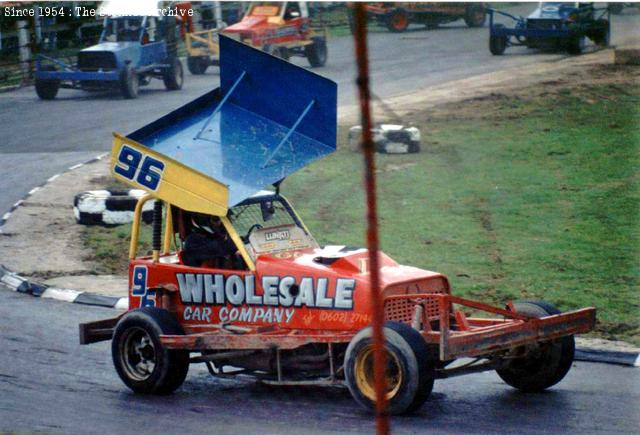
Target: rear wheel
{"x":575,"y":45}
{"x":139,"y":358}
{"x":47,"y":89}
{"x":409,"y":373}
{"x":497,"y":43}
{"x":475,"y":15}
{"x":316,"y":53}
{"x":397,"y":21}
{"x":129,"y":83}
{"x":173,"y":76}
{"x":197,"y":65}
{"x":544,"y":364}
{"x":603,"y":33}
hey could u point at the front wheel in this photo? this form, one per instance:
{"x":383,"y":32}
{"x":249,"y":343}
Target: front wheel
{"x":409,"y":374}
{"x":316,"y":53}
{"x":129,"y":83}
{"x":497,"y":43}
{"x":281,"y":52}
{"x":397,"y":21}
{"x":475,"y":15}
{"x":47,"y":89}
{"x":197,"y":65}
{"x":173,"y":76}
{"x":543,"y":364}
{"x":141,"y":361}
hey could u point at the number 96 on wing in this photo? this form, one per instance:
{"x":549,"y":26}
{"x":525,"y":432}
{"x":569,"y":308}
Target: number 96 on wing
{"x":138,"y":167}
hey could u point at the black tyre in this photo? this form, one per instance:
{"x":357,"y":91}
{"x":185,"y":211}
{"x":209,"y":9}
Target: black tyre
{"x":281,"y":52}
{"x":140,"y":360}
{"x":397,"y":21}
{"x":173,"y":76}
{"x":547,"y":363}
{"x":129,"y":83}
{"x":197,"y":65}
{"x":497,"y":44}
{"x":47,"y":89}
{"x":575,"y":45}
{"x":602,"y":34}
{"x":409,"y":371}
{"x":316,"y":53}
{"x":475,"y":15}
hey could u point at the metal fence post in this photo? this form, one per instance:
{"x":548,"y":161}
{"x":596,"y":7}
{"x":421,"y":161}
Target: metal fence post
{"x":25,"y":51}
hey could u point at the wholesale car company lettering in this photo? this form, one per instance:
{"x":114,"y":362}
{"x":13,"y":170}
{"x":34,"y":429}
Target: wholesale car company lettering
{"x":280,"y":292}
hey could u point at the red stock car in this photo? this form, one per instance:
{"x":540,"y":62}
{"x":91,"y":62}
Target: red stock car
{"x":282,"y":29}
{"x":284,"y":309}
{"x":398,"y":15}
{"x":302,"y":316}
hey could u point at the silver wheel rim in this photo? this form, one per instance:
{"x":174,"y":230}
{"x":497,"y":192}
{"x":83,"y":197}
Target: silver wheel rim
{"x":135,"y":84}
{"x":138,"y":354}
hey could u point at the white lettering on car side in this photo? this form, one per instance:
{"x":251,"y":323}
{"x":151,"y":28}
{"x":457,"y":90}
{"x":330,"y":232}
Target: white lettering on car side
{"x":284,"y":292}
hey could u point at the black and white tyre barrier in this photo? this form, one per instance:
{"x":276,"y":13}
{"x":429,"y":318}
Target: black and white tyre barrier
{"x":109,"y":207}
{"x":388,"y":139}
{"x":20,"y":284}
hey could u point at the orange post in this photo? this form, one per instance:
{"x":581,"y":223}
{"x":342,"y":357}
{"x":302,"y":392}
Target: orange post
{"x":368,"y":149}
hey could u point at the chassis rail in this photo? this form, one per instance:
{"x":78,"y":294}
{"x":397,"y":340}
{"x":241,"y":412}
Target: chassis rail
{"x":455,"y":334}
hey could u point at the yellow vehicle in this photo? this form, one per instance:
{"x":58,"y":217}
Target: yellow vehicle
{"x":203,"y":50}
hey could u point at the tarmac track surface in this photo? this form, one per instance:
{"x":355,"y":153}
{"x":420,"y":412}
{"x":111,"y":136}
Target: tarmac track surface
{"x":41,"y":138}
{"x":48,"y":382}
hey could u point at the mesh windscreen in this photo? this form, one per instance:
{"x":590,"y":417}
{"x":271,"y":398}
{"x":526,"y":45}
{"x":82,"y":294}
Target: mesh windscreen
{"x":245,"y":216}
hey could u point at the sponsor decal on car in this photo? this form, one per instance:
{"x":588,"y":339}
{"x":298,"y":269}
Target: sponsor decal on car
{"x":218,"y":289}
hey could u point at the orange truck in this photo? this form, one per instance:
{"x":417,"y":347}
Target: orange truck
{"x":397,"y":16}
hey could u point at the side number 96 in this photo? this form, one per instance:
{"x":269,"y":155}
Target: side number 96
{"x":147,"y":174}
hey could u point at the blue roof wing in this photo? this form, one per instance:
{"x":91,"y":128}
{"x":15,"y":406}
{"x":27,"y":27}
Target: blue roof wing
{"x":268,"y":119}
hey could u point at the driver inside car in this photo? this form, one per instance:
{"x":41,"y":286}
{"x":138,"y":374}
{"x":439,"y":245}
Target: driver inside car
{"x":208,"y":244}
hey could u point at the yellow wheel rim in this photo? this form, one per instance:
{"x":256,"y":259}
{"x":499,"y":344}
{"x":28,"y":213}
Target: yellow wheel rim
{"x":364,"y":374}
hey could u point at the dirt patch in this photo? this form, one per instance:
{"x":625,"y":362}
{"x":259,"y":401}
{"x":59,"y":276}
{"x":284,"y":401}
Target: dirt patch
{"x":609,"y":79}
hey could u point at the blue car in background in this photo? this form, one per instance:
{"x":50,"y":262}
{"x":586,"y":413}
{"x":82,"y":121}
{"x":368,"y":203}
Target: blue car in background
{"x":131,"y":51}
{"x":553,"y":25}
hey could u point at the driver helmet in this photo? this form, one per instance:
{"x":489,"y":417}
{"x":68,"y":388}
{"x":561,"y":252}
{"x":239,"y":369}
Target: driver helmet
{"x":205,"y":224}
